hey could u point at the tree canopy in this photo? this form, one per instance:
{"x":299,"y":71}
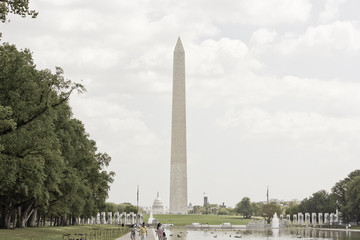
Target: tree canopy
{"x":347,"y":195}
{"x":49,"y":165}
{"x":319,"y":202}
{"x":244,"y":208}
{"x":267,"y":210}
{"x":18,"y":7}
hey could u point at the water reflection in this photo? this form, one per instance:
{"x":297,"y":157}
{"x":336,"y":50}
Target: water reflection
{"x":268,"y":234}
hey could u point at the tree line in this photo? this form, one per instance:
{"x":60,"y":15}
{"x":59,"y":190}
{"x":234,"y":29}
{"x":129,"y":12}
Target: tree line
{"x":50,"y":170}
{"x":344,"y":197}
{"x":49,"y":167}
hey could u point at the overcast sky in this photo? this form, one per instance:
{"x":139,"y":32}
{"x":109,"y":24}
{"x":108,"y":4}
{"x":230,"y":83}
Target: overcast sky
{"x":273,"y":90}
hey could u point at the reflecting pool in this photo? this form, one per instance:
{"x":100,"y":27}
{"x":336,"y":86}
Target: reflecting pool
{"x":280,"y":234}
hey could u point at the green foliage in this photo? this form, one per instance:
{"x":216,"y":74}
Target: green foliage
{"x":126,"y":207}
{"x":6,"y":122}
{"x":224,"y":211}
{"x":351,"y":207}
{"x":244,"y":208}
{"x":48,"y":163}
{"x":319,"y":202}
{"x":267,"y":210}
{"x":346,"y":193}
{"x":19,"y":7}
{"x":256,"y":208}
{"x":292,"y":208}
{"x":111,"y":207}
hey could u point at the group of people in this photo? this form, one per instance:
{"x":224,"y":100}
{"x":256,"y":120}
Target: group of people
{"x":143,"y":231}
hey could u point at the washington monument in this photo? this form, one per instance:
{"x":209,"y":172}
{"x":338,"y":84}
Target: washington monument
{"x":178,"y":172}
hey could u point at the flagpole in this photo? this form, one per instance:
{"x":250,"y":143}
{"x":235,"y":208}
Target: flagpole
{"x":137,"y":206}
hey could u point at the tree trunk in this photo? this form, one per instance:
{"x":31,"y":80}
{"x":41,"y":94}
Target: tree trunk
{"x":63,"y":221}
{"x":23,"y":213}
{"x":44,"y":220}
{"x":38,"y":220}
{"x":5,"y":219}
{"x":32,"y":220}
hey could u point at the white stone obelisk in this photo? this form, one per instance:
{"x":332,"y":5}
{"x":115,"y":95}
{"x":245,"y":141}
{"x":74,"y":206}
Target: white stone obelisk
{"x":178,"y":172}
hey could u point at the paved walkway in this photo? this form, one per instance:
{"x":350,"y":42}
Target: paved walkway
{"x":150,"y":236}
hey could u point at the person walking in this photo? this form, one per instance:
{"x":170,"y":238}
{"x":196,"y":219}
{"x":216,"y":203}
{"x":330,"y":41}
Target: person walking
{"x":143,"y":231}
{"x":160,"y":231}
{"x":133,"y":232}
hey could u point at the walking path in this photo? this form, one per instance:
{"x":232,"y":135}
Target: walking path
{"x":150,"y":235}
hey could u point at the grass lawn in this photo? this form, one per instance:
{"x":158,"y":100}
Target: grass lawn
{"x":102,"y":232}
{"x":182,"y":220}
{"x":98,"y":232}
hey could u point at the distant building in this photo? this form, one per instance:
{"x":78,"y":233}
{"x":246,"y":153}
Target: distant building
{"x":190,"y":207}
{"x":158,"y":206}
{"x":206,"y":201}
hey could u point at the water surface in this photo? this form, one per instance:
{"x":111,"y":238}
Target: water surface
{"x":275,"y":234}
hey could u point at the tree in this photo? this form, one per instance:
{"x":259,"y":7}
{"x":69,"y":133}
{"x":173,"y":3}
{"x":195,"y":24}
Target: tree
{"x":244,"y":207}
{"x":292,"y":208}
{"x":345,"y":196}
{"x":6,"y":122}
{"x":19,"y":7}
{"x":256,"y":208}
{"x":49,"y":166}
{"x":198,"y":209}
{"x":351,"y":207}
{"x":267,"y":210}
{"x":319,"y":202}
{"x":30,"y":156}
{"x":340,"y":188}
{"x":110,"y":207}
{"x":126,"y":207}
{"x":223,"y":211}
{"x":84,"y":188}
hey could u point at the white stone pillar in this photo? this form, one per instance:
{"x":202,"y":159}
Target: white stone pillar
{"x":313,"y":219}
{"x":331,"y":218}
{"x":103,"y":218}
{"x":301,"y":219}
{"x":320,"y":218}
{"x":109,"y":221}
{"x":98,"y":221}
{"x":116,"y":218}
{"x":295,"y":219}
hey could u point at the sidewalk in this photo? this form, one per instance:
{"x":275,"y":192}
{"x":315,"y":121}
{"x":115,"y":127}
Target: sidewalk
{"x":150,"y":236}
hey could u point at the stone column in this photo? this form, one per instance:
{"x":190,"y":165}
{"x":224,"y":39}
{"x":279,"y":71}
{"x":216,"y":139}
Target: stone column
{"x":331,"y":218}
{"x":313,"y":219}
{"x":109,"y":221}
{"x":116,"y":218}
{"x":301,"y":218}
{"x":307,"y":219}
{"x":295,"y":221}
{"x":336,"y":219}
{"x":123,"y":218}
{"x":98,"y":221}
{"x":326,"y":218}
{"x":320,"y":217}
{"x":103,"y":220}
